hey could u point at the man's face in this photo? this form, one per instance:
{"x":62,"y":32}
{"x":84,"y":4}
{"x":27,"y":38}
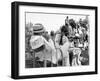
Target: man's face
{"x":46,"y":35}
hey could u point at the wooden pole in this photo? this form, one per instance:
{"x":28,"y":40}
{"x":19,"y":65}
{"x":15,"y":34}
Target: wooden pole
{"x":45,"y":62}
{"x":63,"y":60}
{"x":33,"y":59}
{"x":51,"y":59}
{"x":57,"y":56}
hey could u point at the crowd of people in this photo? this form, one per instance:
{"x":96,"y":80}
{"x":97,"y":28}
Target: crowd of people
{"x":68,"y":46}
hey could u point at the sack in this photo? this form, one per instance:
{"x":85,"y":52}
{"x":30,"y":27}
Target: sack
{"x":40,"y":48}
{"x":37,"y":43}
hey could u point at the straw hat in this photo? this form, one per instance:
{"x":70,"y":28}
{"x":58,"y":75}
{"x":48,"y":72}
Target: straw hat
{"x":38,"y":28}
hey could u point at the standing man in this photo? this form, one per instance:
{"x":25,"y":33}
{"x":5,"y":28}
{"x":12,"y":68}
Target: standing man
{"x":40,"y":44}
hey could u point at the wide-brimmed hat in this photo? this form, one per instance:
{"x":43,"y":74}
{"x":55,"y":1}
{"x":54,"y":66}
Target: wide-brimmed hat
{"x":38,"y":28}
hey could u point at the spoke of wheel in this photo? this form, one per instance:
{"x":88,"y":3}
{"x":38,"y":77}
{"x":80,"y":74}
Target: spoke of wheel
{"x":57,"y":57}
{"x":45,"y":62}
{"x":33,"y":59}
{"x":51,"y":60}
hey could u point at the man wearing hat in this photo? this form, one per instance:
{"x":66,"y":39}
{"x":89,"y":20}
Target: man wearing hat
{"x":39,"y":43}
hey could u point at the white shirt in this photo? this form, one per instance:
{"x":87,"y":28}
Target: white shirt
{"x":49,"y":51}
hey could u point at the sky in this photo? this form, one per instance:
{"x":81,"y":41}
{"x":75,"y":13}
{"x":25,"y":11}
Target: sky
{"x":50,"y":21}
